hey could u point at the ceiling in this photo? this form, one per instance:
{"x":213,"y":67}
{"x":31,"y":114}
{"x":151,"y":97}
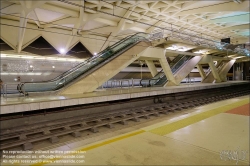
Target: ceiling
{"x":97,"y":24}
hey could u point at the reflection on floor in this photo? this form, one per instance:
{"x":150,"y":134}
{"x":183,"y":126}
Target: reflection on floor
{"x":203,"y":135}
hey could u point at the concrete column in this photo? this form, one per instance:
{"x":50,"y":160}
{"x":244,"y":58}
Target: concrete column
{"x":225,"y":69}
{"x":201,"y":71}
{"x":167,"y":70}
{"x":214,"y":71}
{"x":186,"y":69}
{"x":151,"y":67}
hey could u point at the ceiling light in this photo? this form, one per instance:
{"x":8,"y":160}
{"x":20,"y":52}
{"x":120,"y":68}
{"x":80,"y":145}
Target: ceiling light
{"x":199,"y":52}
{"x":40,"y":57}
{"x":62,"y":50}
{"x":95,"y":53}
{"x":21,"y":73}
{"x":31,"y":66}
{"x":182,"y":49}
{"x":238,"y":1}
{"x":173,"y":47}
{"x":53,"y":67}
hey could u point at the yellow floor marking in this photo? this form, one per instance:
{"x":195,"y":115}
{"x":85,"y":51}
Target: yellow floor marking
{"x":94,"y":146}
{"x":166,"y":129}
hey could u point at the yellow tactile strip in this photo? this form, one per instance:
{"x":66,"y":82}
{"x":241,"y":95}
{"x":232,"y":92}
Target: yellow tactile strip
{"x":166,"y":129}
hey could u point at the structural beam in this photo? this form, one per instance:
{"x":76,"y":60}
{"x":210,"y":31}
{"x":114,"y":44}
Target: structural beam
{"x":167,"y":70}
{"x":225,"y":69}
{"x":229,"y":6}
{"x":201,"y":71}
{"x":120,"y":27}
{"x":184,"y":70}
{"x":153,"y":27}
{"x":27,"y":8}
{"x":214,"y":71}
{"x":22,"y":24}
{"x":151,"y":67}
{"x":81,"y":20}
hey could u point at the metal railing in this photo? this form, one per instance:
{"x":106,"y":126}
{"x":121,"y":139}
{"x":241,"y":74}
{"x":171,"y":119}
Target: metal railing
{"x":119,"y":83}
{"x":200,"y":40}
{"x":229,"y":78}
{"x":9,"y":88}
{"x":190,"y":80}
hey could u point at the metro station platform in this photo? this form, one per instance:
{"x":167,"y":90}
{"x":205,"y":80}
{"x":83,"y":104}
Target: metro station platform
{"x":213,"y":134}
{"x":22,"y":104}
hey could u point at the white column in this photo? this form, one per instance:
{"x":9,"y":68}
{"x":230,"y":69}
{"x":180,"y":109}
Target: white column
{"x":225,"y":69}
{"x":166,"y":69}
{"x":201,"y":71}
{"x":214,"y":71}
{"x":151,"y":67}
{"x":183,"y":72}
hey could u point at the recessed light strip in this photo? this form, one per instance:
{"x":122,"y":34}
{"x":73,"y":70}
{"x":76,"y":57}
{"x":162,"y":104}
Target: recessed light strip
{"x":41,"y":58}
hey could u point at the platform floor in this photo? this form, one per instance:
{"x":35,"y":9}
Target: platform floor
{"x":213,"y":134}
{"x":21,"y":104}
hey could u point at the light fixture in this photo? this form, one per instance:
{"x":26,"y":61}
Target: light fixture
{"x":199,"y":52}
{"x":62,"y":50}
{"x":173,"y":47}
{"x":53,"y":67}
{"x":238,"y":1}
{"x":40,"y":57}
{"x":31,"y":66}
{"x":95,"y":53}
{"x":26,"y":74}
{"x":182,"y":49}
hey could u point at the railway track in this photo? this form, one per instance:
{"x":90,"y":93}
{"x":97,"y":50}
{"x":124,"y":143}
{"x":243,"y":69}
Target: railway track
{"x":25,"y":136}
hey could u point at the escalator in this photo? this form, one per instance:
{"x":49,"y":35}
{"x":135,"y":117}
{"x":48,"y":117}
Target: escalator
{"x":87,"y":67}
{"x":160,"y":79}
